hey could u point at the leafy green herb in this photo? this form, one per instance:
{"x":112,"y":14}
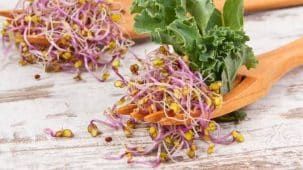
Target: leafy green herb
{"x":214,"y":41}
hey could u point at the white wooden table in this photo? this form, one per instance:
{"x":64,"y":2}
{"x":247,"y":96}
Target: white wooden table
{"x":273,"y":128}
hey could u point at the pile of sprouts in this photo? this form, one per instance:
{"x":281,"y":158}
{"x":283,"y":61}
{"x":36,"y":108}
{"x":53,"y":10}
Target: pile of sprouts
{"x":82,"y":35}
{"x":164,"y":84}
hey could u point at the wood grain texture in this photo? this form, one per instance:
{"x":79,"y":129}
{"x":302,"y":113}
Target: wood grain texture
{"x":273,"y":128}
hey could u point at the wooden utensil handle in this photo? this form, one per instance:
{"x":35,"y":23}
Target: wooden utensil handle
{"x":7,"y":14}
{"x":260,"y":5}
{"x":273,"y":65}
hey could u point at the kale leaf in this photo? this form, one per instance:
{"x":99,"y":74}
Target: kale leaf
{"x":214,"y":41}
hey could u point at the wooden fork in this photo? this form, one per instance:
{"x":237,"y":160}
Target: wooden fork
{"x":128,"y":22}
{"x":254,"y":85}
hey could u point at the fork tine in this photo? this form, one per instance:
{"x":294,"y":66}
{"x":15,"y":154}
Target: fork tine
{"x":126,"y":110}
{"x":38,"y":40}
{"x":138,"y":115}
{"x":9,"y":13}
{"x":154,"y":117}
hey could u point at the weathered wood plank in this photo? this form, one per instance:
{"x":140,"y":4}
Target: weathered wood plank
{"x":273,"y":128}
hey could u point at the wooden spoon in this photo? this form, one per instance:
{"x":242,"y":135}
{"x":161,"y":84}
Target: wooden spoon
{"x":255,"y":83}
{"x":261,"y":5}
{"x":128,"y":22}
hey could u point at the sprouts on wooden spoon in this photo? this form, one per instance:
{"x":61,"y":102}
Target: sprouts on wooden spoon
{"x":83,"y":35}
{"x":164,"y":83}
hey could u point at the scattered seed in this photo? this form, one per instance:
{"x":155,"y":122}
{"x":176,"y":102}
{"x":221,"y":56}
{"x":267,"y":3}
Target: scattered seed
{"x":108,"y":139}
{"x":37,"y":77}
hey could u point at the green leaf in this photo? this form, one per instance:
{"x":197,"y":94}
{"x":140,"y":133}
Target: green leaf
{"x":186,"y":30}
{"x":233,"y":13}
{"x":235,"y":116}
{"x":215,"y":20}
{"x":229,"y":73}
{"x":154,"y":14}
{"x":202,"y":11}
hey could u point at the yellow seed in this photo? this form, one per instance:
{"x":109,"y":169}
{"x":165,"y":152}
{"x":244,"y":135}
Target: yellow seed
{"x":116,"y":64}
{"x":175,"y":107}
{"x":59,"y":134}
{"x":134,"y":68}
{"x":3,"y":32}
{"x":237,"y":136}
{"x":90,"y":127}
{"x":189,"y":135}
{"x":27,"y":18}
{"x":93,"y":130}
{"x":22,"y":43}
{"x":81,"y":1}
{"x":134,"y":92}
{"x":5,"y":24}
{"x":130,"y":124}
{"x":35,"y":18}
{"x":115,"y":17}
{"x":78,"y":77}
{"x":19,"y":39}
{"x":168,"y":140}
{"x":161,"y":88}
{"x":191,"y":153}
{"x":176,"y":143}
{"x":105,"y":76}
{"x":119,"y":84}
{"x":215,"y":86}
{"x":163,"y":50}
{"x":153,"y":132}
{"x":67,"y":133}
{"x":128,"y":132}
{"x":185,"y":58}
{"x":163,"y":156}
{"x":158,"y":62}
{"x":112,"y":45}
{"x":212,"y":126}
{"x":211,"y":148}
{"x":75,"y":27}
{"x":123,"y":50}
{"x":67,"y":36}
{"x":129,"y":156}
{"x":67,"y":55}
{"x":22,"y":62}
{"x":217,"y":101}
{"x":121,"y":101}
{"x":25,"y":49}
{"x":87,"y":33}
{"x":78,"y":64}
